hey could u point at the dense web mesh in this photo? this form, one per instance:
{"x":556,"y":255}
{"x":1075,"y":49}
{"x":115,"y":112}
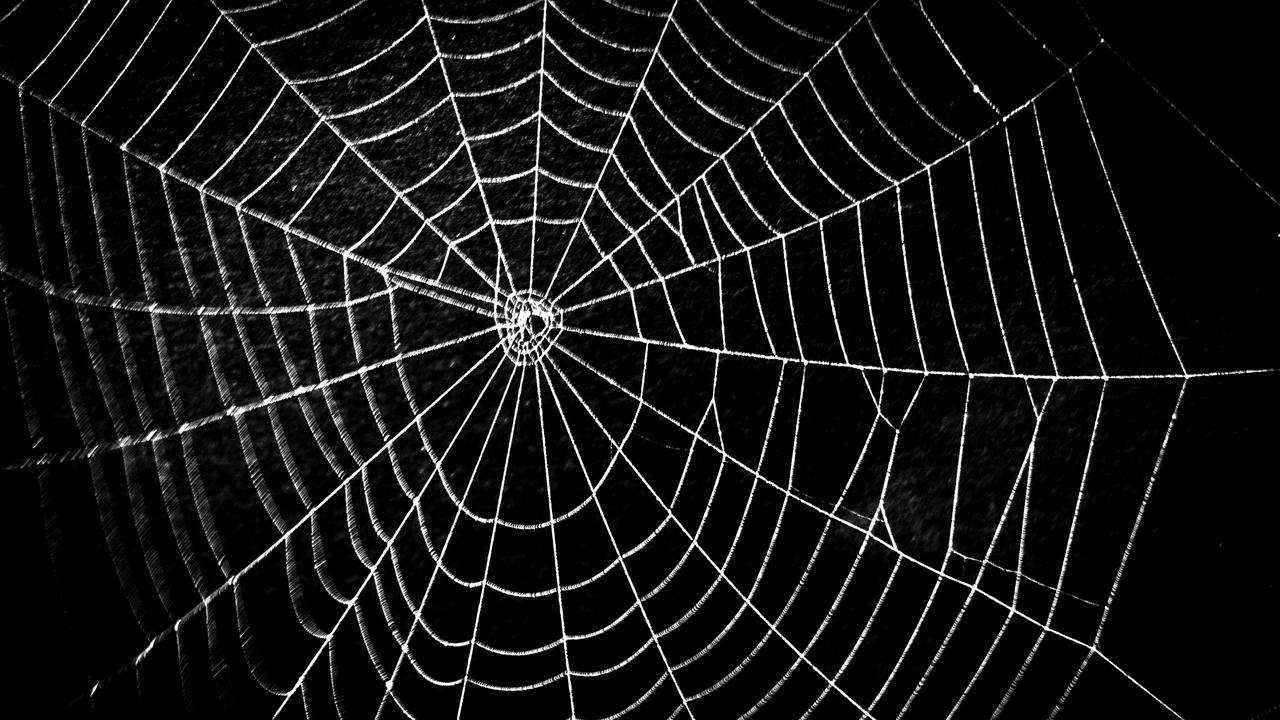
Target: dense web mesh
{"x":578,"y":359}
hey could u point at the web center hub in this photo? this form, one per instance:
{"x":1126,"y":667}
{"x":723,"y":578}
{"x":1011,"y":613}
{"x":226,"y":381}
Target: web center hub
{"x":529,"y":325}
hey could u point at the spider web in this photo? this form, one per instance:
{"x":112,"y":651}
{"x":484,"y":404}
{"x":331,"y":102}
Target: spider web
{"x":579,"y":358}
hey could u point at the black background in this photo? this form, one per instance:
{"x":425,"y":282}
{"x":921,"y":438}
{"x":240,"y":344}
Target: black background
{"x":1199,"y":608}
